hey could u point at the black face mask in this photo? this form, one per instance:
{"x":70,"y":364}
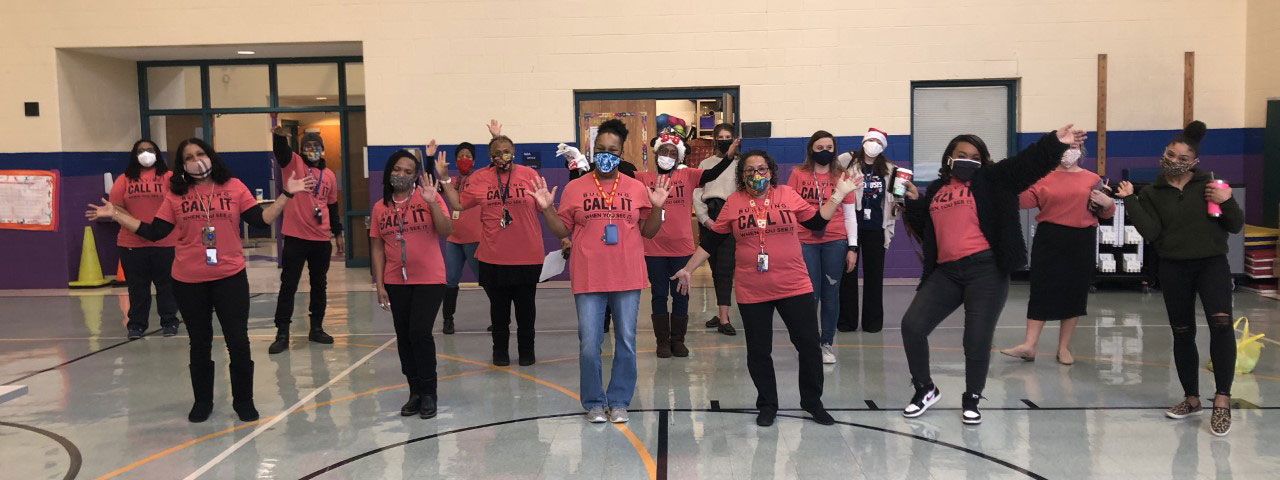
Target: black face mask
{"x":823,"y":157}
{"x":963,"y":169}
{"x":722,"y":146}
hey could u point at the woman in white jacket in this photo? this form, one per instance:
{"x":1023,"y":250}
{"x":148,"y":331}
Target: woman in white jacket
{"x":876,"y":215}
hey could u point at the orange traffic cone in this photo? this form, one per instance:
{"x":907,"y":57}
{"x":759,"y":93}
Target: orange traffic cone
{"x":119,"y":280}
{"x":90,"y":269}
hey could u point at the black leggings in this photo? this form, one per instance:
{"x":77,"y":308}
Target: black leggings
{"x":1180,"y":281}
{"x":980,"y":286}
{"x":871,"y":257}
{"x":413,"y":312}
{"x":316,"y":255}
{"x":144,"y":266}
{"x":501,"y":298}
{"x":722,"y":265}
{"x":800,"y":315}
{"x":229,"y":297}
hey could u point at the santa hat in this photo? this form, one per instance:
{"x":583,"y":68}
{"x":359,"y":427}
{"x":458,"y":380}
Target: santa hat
{"x":671,"y":139}
{"x":878,"y":135}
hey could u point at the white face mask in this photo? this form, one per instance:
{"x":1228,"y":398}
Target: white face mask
{"x":198,"y":168}
{"x":872,"y":149}
{"x":147,"y":159}
{"x":666,"y":163}
{"x":1071,"y":157}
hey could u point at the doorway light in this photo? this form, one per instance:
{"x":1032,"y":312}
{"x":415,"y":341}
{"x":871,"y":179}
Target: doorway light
{"x":245,"y":52}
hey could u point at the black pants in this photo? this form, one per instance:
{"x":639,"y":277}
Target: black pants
{"x":800,"y":315}
{"x":980,"y":286}
{"x":722,"y":265}
{"x":229,"y":297}
{"x":1181,"y":281}
{"x":871,"y":257}
{"x":316,"y":255}
{"x":144,"y":266}
{"x":413,"y":311}
{"x":501,"y":299}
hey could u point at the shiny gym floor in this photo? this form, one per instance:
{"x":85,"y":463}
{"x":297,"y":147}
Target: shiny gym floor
{"x":99,"y":406}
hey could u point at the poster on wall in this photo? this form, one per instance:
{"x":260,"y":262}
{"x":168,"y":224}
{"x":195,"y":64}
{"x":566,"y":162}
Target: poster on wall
{"x":29,"y":200}
{"x":593,"y":120}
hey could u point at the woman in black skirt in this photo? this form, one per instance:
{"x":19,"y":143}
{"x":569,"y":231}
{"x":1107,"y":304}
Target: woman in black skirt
{"x":1071,"y":200}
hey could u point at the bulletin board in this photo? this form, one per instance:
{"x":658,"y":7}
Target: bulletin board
{"x":29,"y":200}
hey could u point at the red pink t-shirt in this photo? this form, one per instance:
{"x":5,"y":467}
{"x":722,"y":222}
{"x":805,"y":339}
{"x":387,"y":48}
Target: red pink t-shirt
{"x":299,"y":214}
{"x":955,"y":222}
{"x":676,"y":237}
{"x":817,"y":190}
{"x":141,"y":198}
{"x":466,"y":223}
{"x":1063,"y":198}
{"x":594,"y":266}
{"x":422,"y":258}
{"x":213,"y":205}
{"x":787,"y":275}
{"x":520,"y":243}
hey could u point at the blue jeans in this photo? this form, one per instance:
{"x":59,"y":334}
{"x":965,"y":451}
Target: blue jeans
{"x":660,"y":271}
{"x":454,"y":255}
{"x":622,"y":379}
{"x":826,"y":265}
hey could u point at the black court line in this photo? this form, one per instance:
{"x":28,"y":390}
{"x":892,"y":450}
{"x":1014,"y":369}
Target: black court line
{"x":69,"y":362}
{"x":72,"y":451}
{"x":871,"y":405}
{"x":1031,"y":404}
{"x":663,"y":416}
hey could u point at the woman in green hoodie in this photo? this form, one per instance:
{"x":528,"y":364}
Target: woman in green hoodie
{"x":1172,"y":213}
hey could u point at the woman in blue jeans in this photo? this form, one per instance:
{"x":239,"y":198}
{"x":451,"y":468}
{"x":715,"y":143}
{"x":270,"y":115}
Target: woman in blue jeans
{"x":607,"y":215}
{"x":832,"y":250}
{"x":461,"y":246}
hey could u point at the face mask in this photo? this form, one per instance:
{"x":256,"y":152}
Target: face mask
{"x":823,"y":157}
{"x":666,"y":163}
{"x":503,"y":162}
{"x":722,"y":146}
{"x":1173,"y":168}
{"x":198,"y":168}
{"x":147,"y":159}
{"x":465,"y":165}
{"x":758,"y":183}
{"x":1071,"y":157}
{"x":964,"y":169}
{"x":401,"y":183}
{"x":606,"y":162}
{"x":314,"y":156}
{"x":872,"y":149}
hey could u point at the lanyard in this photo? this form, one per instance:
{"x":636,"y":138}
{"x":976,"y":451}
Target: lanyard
{"x":608,"y":199}
{"x":208,"y":204}
{"x":761,"y":215}
{"x":404,"y":262}
{"x":504,"y":191}
{"x":822,"y":188}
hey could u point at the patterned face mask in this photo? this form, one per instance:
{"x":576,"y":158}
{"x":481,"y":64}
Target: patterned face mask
{"x":1174,"y":167}
{"x":606,"y":162}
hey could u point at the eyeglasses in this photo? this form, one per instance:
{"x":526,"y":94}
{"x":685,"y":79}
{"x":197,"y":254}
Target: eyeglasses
{"x":500,"y":156}
{"x":756,"y":171}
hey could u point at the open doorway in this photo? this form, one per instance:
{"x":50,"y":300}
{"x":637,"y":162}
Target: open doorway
{"x":692,"y":112}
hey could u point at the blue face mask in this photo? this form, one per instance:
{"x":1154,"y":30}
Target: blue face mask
{"x":606,"y":162}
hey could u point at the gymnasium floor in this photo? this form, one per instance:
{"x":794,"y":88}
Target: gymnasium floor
{"x":102,"y":407}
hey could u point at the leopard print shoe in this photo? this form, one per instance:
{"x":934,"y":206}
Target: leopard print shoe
{"x":1220,"y":421}
{"x":1182,"y":410}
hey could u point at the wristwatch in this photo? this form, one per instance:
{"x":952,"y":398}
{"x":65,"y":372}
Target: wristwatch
{"x":286,"y":193}
{"x":446,"y":180}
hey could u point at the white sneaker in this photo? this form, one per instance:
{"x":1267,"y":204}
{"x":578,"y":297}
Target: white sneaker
{"x":618,"y":415}
{"x":596,"y":415}
{"x":828,"y":354}
{"x":921,"y":401}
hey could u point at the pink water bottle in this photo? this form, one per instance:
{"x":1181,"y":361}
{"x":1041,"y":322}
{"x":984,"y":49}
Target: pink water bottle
{"x":1215,"y":210}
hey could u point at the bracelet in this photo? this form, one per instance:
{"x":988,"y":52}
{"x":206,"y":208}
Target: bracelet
{"x":286,"y":193}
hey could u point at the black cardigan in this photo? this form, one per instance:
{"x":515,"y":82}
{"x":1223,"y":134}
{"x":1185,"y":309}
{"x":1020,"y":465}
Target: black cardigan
{"x":995,"y":190}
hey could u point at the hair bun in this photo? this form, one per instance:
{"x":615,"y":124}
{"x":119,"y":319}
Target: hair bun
{"x":1195,"y":131}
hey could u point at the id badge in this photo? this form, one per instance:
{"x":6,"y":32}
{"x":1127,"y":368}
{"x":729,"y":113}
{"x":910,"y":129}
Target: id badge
{"x":506,"y":219}
{"x":762,"y":262}
{"x":866,"y":214}
{"x":610,"y":234}
{"x":319,"y":216}
{"x":210,"y":256}
{"x":208,"y":236}
{"x":664,"y":216}
{"x":456,"y":214}
{"x":404,"y":273}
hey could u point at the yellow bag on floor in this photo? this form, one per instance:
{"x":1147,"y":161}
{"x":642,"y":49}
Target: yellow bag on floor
{"x":1248,"y":348}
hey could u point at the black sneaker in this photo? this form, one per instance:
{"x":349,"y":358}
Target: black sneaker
{"x":925,"y":397}
{"x":169,"y":331}
{"x":280,"y":344}
{"x":821,"y":416}
{"x":766,"y":417}
{"x":317,"y":335}
{"x":501,"y":359}
{"x":714,"y":322}
{"x":448,"y":326}
{"x":727,"y":329}
{"x":526,"y":360}
{"x":969,"y":413}
{"x":135,"y":333}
